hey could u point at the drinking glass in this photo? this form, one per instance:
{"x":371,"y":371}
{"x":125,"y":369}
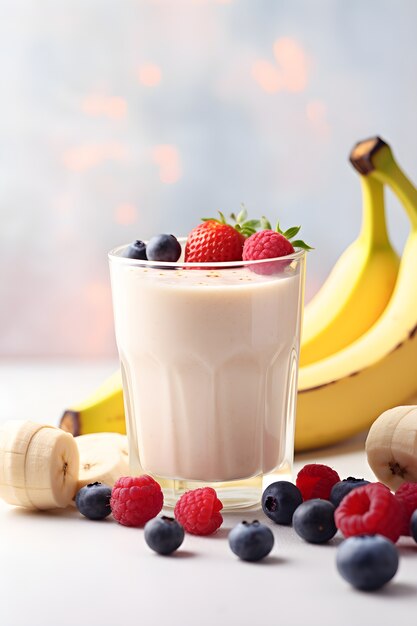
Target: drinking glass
{"x":209,"y":360}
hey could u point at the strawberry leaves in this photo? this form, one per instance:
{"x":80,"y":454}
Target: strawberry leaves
{"x":242,"y":224}
{"x":249,"y":227}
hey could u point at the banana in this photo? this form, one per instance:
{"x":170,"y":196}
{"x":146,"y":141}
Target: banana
{"x":391,"y":446}
{"x":343,"y":394}
{"x":103,"y":458}
{"x":103,"y":411}
{"x":357,"y":289}
{"x":38,"y":465}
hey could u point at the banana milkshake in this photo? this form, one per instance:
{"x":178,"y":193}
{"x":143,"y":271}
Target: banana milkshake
{"x":209,"y":364}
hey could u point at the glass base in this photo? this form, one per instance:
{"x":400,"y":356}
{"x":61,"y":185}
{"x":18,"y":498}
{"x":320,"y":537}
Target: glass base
{"x":236,"y":495}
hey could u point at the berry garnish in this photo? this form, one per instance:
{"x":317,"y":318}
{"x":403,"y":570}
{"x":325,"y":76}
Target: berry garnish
{"x":313,"y":520}
{"x":164,"y":534}
{"x":367,"y":562}
{"x":135,"y":500}
{"x":280,"y":500}
{"x":369,"y":510}
{"x":93,"y":501}
{"x":316,"y":481}
{"x":214,"y":241}
{"x":345,"y":486}
{"x":163,"y":248}
{"x":251,"y":541}
{"x":198,"y":511}
{"x":136,"y":250}
{"x":407,"y":495}
{"x":269,"y":243}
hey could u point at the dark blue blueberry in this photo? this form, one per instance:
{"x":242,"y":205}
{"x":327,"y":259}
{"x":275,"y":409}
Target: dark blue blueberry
{"x":367,"y":561}
{"x":136,"y":250}
{"x":314,"y":521}
{"x":93,"y":501}
{"x":342,"y":488}
{"x":280,"y":500}
{"x":251,"y":541}
{"x":163,"y":248}
{"x":164,"y":534}
{"x":413,"y":525}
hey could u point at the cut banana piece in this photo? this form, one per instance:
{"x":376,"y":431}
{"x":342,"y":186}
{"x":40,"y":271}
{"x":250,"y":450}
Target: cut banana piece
{"x":103,"y":458}
{"x":391,"y":446}
{"x":38,"y":465}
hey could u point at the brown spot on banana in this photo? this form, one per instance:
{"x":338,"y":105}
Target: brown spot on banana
{"x":396,"y":469}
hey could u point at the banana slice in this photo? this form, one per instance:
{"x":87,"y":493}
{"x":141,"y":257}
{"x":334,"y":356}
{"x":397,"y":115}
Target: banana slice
{"x":38,"y":465}
{"x":103,"y":458}
{"x":391,"y":446}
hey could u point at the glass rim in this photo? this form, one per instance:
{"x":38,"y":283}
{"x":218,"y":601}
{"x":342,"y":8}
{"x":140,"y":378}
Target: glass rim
{"x":113,"y":256}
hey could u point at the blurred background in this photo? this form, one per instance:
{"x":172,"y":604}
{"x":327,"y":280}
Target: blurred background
{"x":119,"y":120}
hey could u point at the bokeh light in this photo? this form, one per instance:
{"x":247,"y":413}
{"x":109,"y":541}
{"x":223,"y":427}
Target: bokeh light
{"x":149,"y":74}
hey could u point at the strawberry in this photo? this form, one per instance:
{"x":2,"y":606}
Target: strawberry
{"x":217,"y":241}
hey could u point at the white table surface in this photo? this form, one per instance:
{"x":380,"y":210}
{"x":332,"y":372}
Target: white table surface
{"x":57,"y":569}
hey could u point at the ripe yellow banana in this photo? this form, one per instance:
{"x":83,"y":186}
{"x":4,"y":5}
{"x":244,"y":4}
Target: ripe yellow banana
{"x":345,"y":392}
{"x":103,"y":411}
{"x":38,"y":465}
{"x":358,"y":288}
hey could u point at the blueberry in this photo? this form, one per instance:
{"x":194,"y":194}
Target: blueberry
{"x":342,"y":488}
{"x":163,"y":248}
{"x":164,"y":534}
{"x":367,"y":561}
{"x":413,"y":525}
{"x":280,"y":500}
{"x":314,"y":521}
{"x":136,"y":250}
{"x":251,"y":541}
{"x":93,"y":501}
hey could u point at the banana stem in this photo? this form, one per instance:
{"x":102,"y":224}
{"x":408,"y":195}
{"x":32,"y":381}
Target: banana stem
{"x":401,"y":185}
{"x":374,"y":226}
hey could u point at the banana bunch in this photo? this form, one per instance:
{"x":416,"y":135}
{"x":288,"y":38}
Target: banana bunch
{"x":343,"y":393}
{"x":43,"y":467}
{"x":359,"y":342}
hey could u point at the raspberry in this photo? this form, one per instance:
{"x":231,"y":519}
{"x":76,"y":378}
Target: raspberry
{"x":135,"y":500}
{"x":198,"y":511}
{"x":370,"y":510}
{"x":407,"y":495}
{"x":316,"y":481}
{"x":267,"y":244}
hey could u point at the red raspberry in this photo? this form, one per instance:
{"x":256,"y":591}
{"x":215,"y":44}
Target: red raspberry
{"x":407,"y":495}
{"x":198,"y":511}
{"x":316,"y":481}
{"x":135,"y":500}
{"x":266,"y":244}
{"x":370,"y":510}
